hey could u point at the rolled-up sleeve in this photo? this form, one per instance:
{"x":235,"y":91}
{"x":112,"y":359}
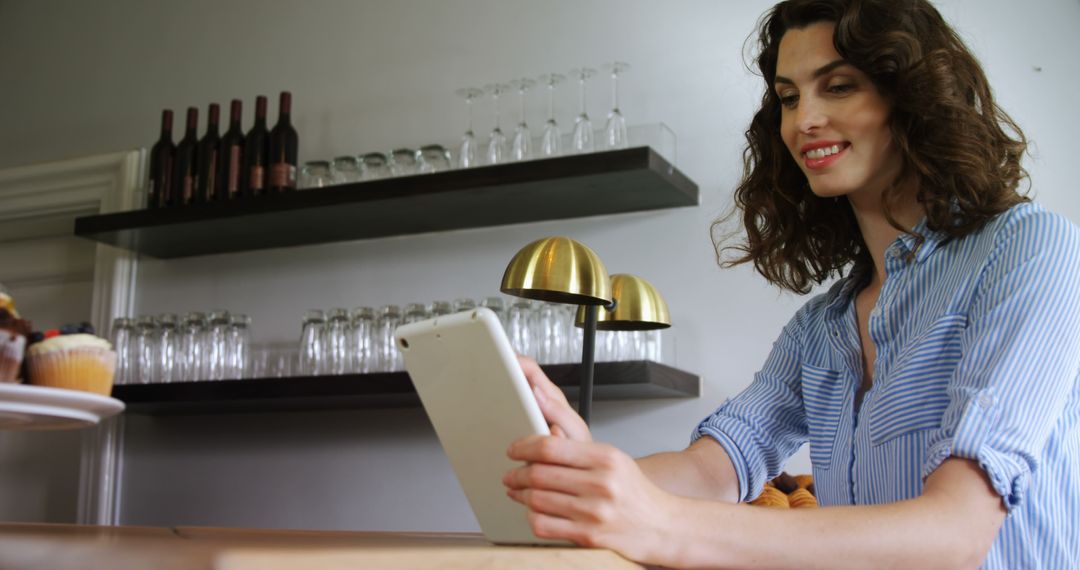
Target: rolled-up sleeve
{"x":1021,"y":356}
{"x":765,"y":424}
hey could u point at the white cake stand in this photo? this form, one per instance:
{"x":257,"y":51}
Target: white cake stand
{"x":26,"y":407}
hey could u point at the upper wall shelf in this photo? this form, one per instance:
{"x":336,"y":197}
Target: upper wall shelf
{"x":611,"y":182}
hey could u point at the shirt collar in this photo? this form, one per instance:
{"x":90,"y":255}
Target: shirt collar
{"x":931,"y":240}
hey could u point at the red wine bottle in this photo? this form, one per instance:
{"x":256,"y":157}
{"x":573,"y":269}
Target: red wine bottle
{"x":186,"y":164}
{"x":283,"y":149}
{"x":232,"y":156}
{"x":257,"y":152}
{"x":209,"y":162}
{"x":159,"y":188}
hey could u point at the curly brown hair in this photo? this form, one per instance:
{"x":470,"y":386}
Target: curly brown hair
{"x":960,"y":148}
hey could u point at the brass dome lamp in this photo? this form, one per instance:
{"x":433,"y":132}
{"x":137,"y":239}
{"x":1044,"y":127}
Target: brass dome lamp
{"x":562,"y":270}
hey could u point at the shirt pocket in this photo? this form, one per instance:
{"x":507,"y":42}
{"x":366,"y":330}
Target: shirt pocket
{"x":823,"y":398}
{"x":916,"y":395}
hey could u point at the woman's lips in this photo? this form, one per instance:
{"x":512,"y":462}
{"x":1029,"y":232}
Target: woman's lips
{"x":824,"y":156}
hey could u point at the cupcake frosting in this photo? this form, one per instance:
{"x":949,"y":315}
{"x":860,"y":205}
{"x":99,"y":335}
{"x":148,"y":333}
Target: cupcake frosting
{"x":68,"y":342}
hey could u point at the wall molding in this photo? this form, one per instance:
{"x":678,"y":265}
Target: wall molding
{"x":66,"y":189}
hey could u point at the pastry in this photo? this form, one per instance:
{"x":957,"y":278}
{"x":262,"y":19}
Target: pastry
{"x":77,"y":361}
{"x":801,"y":498}
{"x":771,"y":497}
{"x":13,"y":333}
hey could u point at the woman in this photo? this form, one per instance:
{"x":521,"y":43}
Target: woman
{"x":936,"y":382}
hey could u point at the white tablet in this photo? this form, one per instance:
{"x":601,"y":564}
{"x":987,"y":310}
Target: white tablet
{"x":476,"y":396}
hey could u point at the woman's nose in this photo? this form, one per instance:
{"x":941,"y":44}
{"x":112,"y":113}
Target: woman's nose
{"x":810,"y":115}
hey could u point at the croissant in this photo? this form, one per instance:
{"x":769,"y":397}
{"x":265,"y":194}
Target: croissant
{"x":801,"y":498}
{"x":771,"y":497}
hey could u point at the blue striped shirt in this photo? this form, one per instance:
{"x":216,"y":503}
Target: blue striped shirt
{"x":978,"y":356}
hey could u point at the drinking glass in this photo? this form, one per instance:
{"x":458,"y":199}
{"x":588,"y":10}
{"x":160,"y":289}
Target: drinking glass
{"x":192,"y":352}
{"x":363,"y":339}
{"x":123,"y":333}
{"x":551,"y":143}
{"x":441,"y":308}
{"x":239,"y":346}
{"x":312,"y":343}
{"x":583,"y":133}
{"x":615,"y":128}
{"x":216,"y":343}
{"x":496,"y":149}
{"x":519,"y":327}
{"x":433,"y":158}
{"x":653,"y":345}
{"x":316,"y":174}
{"x":497,"y":307}
{"x":575,"y":336}
{"x":464,"y":304}
{"x":168,"y":345}
{"x":521,"y":149}
{"x":338,"y":354}
{"x":414,"y":312}
{"x":467,"y":147}
{"x":388,"y":358}
{"x":146,"y":350}
{"x":403,"y":162}
{"x":549,"y":337}
{"x":375,"y":166}
{"x":346,"y":169}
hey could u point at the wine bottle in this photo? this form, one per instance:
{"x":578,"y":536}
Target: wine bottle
{"x":232,"y":156}
{"x":283,"y":149}
{"x":209,"y":162}
{"x":159,"y":188}
{"x":257,"y":152}
{"x":186,"y":164}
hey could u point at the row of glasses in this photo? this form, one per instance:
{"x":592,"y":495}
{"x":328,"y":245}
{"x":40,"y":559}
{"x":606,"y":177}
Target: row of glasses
{"x":374,"y":165}
{"x":362,"y":340}
{"x":582,"y":139}
{"x":165,"y":349}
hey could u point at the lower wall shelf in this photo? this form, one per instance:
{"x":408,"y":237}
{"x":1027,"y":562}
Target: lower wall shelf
{"x":630,"y":380}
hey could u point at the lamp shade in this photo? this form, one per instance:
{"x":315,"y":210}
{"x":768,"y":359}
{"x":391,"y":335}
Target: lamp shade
{"x":638,"y":307}
{"x":559,"y":270}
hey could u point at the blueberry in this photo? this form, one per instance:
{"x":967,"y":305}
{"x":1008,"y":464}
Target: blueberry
{"x":69,"y":329}
{"x":36,"y":336}
{"x":86,"y":328}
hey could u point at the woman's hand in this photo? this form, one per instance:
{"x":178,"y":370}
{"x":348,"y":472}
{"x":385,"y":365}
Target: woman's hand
{"x":564,"y":421}
{"x":594,"y":495}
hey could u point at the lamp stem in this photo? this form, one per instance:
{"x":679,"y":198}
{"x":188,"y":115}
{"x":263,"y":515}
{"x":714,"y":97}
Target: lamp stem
{"x":587,"y":353}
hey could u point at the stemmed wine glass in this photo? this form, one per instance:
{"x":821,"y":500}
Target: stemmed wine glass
{"x":521,"y":149}
{"x":615,"y":128}
{"x":496,"y":149}
{"x":550,"y":144}
{"x":583,"y":133}
{"x":467,"y":148}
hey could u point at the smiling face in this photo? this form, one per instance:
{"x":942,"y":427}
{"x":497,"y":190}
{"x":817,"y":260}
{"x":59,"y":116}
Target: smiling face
{"x":834,"y":122}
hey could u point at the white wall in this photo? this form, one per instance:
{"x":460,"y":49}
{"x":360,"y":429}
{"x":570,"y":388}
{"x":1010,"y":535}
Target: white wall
{"x":86,"y":78}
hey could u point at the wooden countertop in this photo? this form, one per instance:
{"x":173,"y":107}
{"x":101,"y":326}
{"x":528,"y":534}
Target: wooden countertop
{"x":71,"y":547}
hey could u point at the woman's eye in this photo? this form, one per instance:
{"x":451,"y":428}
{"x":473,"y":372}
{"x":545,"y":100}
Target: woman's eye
{"x":789,"y":100}
{"x":841,"y":88}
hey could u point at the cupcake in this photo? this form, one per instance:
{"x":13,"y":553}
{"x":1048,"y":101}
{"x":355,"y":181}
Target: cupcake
{"x":13,"y":333}
{"x":77,"y":361}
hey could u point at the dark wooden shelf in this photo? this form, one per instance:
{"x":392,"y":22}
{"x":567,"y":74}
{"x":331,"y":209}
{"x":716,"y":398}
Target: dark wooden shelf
{"x":631,"y":380}
{"x":619,"y":181}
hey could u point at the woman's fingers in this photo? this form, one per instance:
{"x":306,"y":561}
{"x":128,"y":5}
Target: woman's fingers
{"x":540,"y":382}
{"x":553,"y":403}
{"x":562,"y":451}
{"x":568,"y":480}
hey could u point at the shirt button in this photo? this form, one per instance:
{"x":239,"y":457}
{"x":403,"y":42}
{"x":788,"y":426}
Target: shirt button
{"x":876,"y":312}
{"x":985,"y":401}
